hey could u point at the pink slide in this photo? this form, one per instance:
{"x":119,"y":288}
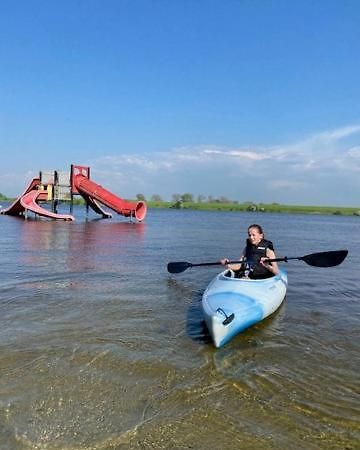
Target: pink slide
{"x":16,"y":208}
{"x":27,"y":201}
{"x":88,"y":188}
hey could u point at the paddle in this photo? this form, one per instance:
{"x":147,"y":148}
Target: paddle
{"x":321,"y":259}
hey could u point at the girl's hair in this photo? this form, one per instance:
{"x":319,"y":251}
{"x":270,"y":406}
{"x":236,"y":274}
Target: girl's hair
{"x":258,"y":227}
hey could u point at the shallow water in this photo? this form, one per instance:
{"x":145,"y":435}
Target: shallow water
{"x":101,"y":348}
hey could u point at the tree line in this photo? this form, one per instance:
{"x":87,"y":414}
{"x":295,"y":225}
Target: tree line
{"x":176,"y":198}
{"x":187,"y":198}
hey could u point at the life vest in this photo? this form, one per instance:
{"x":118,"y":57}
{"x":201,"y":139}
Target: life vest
{"x":253,"y":255}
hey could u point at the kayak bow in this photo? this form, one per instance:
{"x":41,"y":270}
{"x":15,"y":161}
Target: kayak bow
{"x":231,"y":305}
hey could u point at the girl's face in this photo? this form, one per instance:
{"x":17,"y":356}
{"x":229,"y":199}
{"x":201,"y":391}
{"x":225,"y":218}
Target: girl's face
{"x":254,"y":236}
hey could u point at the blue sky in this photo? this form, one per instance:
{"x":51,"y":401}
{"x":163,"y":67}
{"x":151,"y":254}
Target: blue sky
{"x":254,"y":100}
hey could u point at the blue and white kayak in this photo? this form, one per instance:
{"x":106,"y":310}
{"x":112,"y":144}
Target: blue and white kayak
{"x":231,"y":305}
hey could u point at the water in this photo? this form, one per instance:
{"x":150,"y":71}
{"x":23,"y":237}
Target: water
{"x":101,"y":348}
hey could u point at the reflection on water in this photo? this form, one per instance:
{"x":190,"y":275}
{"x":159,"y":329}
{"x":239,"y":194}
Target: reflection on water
{"x":101,"y":348}
{"x":73,"y":247}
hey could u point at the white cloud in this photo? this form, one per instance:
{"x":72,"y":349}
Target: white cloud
{"x":338,"y":133}
{"x":329,"y":160}
{"x":240,"y":154}
{"x":354,"y":152}
{"x":272,"y":173}
{"x":287,"y":184}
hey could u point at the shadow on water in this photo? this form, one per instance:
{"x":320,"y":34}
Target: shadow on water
{"x":196,"y":328}
{"x":195,"y":324}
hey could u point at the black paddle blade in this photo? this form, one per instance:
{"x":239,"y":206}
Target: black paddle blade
{"x":325,"y":259}
{"x":178,"y":267}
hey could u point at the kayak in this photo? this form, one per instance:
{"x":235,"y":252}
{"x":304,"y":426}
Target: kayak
{"x":230,"y":305}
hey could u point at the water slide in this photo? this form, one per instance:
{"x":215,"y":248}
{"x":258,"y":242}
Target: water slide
{"x":95,"y":206}
{"x":15,"y":208}
{"x":89,"y":189}
{"x":28,"y":201}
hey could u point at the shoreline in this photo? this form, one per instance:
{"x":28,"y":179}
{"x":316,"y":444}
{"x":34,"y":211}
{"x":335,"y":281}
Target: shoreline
{"x":260,"y":207}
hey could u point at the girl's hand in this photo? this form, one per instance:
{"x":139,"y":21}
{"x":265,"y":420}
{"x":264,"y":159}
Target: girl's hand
{"x":264,"y":261}
{"x":224,"y":261}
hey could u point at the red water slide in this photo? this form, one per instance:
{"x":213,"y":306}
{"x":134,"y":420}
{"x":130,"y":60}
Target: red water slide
{"x":96,"y":206}
{"x":88,"y":188}
{"x":16,"y":208}
{"x":28,"y":201}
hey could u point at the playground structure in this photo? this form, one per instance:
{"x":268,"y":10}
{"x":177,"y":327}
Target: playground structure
{"x":56,"y":187}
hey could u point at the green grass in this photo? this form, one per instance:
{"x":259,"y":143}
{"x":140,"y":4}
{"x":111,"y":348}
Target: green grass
{"x":262,"y":207}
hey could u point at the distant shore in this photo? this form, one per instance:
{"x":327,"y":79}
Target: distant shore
{"x":242,"y":207}
{"x":259,"y":207}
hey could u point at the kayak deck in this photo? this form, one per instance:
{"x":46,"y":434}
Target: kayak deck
{"x":231,"y":305}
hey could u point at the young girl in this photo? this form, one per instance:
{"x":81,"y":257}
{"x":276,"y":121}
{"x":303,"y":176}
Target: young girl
{"x":256,"y":254}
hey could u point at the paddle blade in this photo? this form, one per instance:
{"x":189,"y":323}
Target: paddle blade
{"x":325,"y":259}
{"x":178,"y":267}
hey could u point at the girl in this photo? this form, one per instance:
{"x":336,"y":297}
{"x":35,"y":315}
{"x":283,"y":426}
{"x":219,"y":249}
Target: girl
{"x":256,"y":254}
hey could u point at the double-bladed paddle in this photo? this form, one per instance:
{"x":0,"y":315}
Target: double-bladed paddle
{"x":321,"y":259}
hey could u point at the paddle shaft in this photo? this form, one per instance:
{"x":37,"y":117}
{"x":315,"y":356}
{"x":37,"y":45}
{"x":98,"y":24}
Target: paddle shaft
{"x":321,"y":259}
{"x":217,"y":263}
{"x":243,"y":261}
{"x":325,"y":259}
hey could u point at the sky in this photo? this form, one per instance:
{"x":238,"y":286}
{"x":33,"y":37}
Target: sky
{"x":252,"y":100}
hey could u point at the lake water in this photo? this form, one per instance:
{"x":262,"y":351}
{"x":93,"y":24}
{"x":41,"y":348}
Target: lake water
{"x":101,"y":348}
